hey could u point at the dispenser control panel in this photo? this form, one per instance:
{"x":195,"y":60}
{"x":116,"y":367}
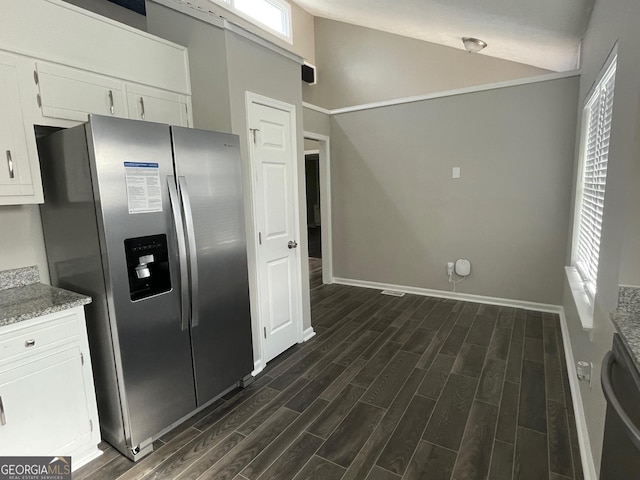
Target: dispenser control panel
{"x":147,"y":266}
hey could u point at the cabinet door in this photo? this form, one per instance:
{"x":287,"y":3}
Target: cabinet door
{"x":44,"y":406}
{"x":154,"y":105}
{"x":73,"y":94}
{"x":15,"y":171}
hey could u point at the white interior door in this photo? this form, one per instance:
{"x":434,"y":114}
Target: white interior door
{"x":273,"y":157}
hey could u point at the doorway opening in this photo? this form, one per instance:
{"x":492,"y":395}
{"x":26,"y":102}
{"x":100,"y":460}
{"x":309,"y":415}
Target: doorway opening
{"x":318,"y":207}
{"x":314,"y":219}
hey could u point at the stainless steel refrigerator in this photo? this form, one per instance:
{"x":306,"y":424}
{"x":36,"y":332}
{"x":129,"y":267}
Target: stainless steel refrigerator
{"x":148,"y":220}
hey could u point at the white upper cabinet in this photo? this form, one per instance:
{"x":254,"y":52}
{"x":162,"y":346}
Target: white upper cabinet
{"x":72,"y":94}
{"x":61,"y":33}
{"x":154,"y":105}
{"x":15,"y":170}
{"x":70,"y":63}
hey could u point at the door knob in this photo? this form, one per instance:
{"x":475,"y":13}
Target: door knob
{"x":292,"y":244}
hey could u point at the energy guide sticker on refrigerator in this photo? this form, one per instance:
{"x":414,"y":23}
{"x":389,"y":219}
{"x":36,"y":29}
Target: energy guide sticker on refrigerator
{"x":159,"y":244}
{"x":143,"y":187}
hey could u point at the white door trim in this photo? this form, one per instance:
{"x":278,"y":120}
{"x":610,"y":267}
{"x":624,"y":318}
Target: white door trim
{"x":254,"y":98}
{"x":325,"y":204}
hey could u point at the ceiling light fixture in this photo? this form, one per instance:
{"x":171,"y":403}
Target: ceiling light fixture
{"x":473,"y":45}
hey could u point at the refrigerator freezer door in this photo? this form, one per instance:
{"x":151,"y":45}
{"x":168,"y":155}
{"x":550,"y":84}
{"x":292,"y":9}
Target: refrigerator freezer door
{"x":130,"y":164}
{"x":209,"y":170}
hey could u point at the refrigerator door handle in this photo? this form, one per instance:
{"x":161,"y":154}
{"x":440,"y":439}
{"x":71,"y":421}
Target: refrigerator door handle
{"x":191,"y":241}
{"x":182,"y":252}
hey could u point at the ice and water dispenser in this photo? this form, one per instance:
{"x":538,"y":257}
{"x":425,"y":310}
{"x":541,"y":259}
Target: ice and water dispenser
{"x":147,"y":266}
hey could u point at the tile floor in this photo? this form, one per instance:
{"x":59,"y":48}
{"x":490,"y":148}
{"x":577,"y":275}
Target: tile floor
{"x":390,"y":388}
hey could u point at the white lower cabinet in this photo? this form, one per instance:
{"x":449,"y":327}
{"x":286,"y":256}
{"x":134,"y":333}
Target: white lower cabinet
{"x":47,"y":397}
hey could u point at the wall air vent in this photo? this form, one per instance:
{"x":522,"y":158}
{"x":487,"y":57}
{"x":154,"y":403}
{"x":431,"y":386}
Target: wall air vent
{"x":393,"y":293}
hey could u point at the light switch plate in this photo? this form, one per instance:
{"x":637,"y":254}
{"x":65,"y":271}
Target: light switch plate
{"x":456,"y":172}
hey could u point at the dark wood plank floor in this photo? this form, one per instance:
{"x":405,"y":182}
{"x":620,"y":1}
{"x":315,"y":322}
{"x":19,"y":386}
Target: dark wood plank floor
{"x":315,"y":272}
{"x":390,"y":388}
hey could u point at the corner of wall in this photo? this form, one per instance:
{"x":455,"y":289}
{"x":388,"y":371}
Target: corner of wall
{"x":589,"y":346}
{"x":586,"y":452}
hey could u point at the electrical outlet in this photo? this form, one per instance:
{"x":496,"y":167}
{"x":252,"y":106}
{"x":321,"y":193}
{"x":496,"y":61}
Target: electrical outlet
{"x":450,"y":268}
{"x":583,"y":371}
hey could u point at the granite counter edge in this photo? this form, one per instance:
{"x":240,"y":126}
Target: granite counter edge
{"x":628,"y":327}
{"x":44,"y":311}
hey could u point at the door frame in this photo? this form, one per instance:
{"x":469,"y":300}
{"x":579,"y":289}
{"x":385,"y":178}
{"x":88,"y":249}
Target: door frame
{"x":251,"y":98}
{"x":324,"y":155}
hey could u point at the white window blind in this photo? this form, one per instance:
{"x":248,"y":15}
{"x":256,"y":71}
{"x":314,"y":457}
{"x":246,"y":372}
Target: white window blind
{"x":595,"y":152}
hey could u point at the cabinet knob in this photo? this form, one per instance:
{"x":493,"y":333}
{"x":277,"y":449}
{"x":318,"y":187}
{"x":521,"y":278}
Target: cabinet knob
{"x":30,"y":343}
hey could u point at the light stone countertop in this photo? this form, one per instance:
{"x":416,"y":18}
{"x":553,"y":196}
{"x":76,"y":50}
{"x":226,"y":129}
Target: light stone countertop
{"x":628,"y":326}
{"x":22,"y":297}
{"x":626,"y":319}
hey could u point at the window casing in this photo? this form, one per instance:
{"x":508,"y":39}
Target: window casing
{"x":271,"y":15}
{"x":594,"y":154}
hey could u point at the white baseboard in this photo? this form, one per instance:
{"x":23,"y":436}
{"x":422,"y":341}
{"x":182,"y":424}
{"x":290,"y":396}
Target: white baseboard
{"x":308,"y":334}
{"x":258,"y":366}
{"x":79,"y":460}
{"x":467,"y":297}
{"x":588,"y":465}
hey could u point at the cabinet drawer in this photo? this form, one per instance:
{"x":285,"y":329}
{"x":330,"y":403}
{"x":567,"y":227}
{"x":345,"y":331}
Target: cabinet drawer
{"x":39,"y":337}
{"x":73,"y":94}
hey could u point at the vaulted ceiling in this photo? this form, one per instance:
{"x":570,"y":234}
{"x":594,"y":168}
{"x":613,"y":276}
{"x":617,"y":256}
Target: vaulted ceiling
{"x":544,"y":33}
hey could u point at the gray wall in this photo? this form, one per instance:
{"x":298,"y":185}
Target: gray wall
{"x":316,"y":122}
{"x":398,"y":215}
{"x":21,"y":239}
{"x":258,"y":70}
{"x":359,"y":65}
{"x":611,"y":21}
{"x":304,"y":41}
{"x":207,"y":63}
{"x":311,"y":145}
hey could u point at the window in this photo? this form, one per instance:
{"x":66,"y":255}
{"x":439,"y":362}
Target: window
{"x":275,"y":15}
{"x":594,"y":153}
